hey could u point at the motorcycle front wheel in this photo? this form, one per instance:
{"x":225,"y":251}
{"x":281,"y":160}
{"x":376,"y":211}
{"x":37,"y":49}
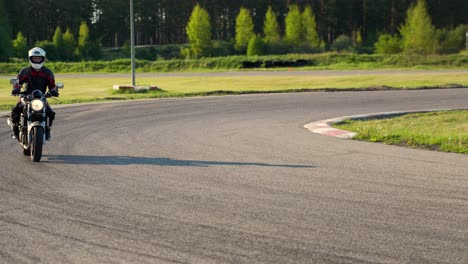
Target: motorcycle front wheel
{"x":37,"y":142}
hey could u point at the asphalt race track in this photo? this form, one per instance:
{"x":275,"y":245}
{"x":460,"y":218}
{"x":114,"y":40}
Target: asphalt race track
{"x":233,"y":179}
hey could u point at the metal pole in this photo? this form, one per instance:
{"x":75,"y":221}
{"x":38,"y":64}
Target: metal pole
{"x":132,"y":41}
{"x":466,"y":41}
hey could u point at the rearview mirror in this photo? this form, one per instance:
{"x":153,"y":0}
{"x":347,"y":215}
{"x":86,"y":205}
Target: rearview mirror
{"x":13,"y":81}
{"x":60,"y":85}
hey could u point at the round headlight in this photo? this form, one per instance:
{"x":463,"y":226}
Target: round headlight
{"x":37,"y":105}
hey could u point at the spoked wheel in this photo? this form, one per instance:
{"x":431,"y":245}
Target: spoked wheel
{"x":37,"y":142}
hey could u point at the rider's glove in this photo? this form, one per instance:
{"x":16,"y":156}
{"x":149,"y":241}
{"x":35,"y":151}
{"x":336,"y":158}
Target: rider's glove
{"x":16,"y":88}
{"x":54,"y":93}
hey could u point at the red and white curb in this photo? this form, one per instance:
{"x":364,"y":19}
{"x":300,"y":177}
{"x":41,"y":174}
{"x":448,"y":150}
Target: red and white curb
{"x":324,"y":127}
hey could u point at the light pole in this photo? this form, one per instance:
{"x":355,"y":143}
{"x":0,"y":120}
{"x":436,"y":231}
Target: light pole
{"x":132,"y":41}
{"x":466,"y":40}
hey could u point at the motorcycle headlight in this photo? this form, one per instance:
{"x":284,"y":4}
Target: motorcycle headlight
{"x":37,"y":105}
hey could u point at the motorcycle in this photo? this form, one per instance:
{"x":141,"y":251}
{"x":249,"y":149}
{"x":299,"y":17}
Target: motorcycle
{"x":33,"y":122}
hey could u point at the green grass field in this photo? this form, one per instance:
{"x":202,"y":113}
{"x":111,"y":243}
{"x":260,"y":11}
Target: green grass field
{"x":100,"y":89}
{"x":444,"y":131}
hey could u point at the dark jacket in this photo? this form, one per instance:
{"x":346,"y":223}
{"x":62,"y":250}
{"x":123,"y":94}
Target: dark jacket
{"x":37,"y":79}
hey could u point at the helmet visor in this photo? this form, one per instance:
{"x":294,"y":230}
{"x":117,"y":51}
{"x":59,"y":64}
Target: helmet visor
{"x":36,"y":59}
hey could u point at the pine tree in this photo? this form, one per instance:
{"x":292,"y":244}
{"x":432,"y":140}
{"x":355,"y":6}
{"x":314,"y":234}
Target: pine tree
{"x":199,"y":32}
{"x":69,"y":45}
{"x":271,"y":27}
{"x":310,"y":29}
{"x":57,"y":40}
{"x":244,"y":29}
{"x":294,"y":31}
{"x":83,"y":41}
{"x":418,"y":33}
{"x":20,"y":46}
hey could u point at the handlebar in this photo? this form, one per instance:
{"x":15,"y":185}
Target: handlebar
{"x":24,"y":94}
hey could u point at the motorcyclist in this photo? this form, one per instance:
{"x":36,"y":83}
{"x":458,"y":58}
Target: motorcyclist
{"x":36,"y":76}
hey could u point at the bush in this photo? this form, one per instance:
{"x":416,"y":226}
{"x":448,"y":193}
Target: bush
{"x":50,"y":49}
{"x":277,"y":48}
{"x":222,"y":48}
{"x":95,"y":50}
{"x":342,"y":43}
{"x":256,"y":46}
{"x":168,"y":52}
{"x":145,"y":53}
{"x":156,"y":52}
{"x":451,"y":41}
{"x":324,"y":60}
{"x":186,"y":53}
{"x":388,"y":44}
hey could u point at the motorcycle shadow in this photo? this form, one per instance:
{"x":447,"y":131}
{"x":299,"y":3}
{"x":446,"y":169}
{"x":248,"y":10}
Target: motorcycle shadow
{"x":130,"y":160}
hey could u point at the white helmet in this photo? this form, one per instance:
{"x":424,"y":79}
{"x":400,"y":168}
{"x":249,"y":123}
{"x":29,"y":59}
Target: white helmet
{"x":37,"y":52}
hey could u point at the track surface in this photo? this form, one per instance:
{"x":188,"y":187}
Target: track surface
{"x":234,"y":179}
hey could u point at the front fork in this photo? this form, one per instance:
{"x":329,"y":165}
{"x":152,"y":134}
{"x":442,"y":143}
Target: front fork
{"x":31,"y":125}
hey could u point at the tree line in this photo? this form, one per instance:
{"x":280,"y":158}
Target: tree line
{"x":339,"y":24}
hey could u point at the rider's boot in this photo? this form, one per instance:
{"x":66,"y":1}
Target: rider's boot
{"x":15,"y":131}
{"x":14,"y":128}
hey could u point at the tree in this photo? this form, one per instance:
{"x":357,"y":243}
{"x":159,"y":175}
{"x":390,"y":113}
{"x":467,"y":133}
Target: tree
{"x":294,"y":32}
{"x":5,"y":37}
{"x":271,"y":27}
{"x":83,"y":41}
{"x":165,"y":21}
{"x":310,"y":29}
{"x":20,"y":46}
{"x":244,"y":30}
{"x":199,"y":32}
{"x":57,"y":39}
{"x":418,"y":33}
{"x":5,"y":44}
{"x":69,"y":45}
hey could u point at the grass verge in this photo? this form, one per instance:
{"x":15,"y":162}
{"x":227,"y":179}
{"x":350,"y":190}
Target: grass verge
{"x":443,"y":131}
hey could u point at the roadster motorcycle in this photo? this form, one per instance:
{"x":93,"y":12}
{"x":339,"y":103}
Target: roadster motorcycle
{"x":33,"y":122}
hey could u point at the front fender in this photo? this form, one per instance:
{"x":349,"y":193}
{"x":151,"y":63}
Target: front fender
{"x":35,"y":124}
